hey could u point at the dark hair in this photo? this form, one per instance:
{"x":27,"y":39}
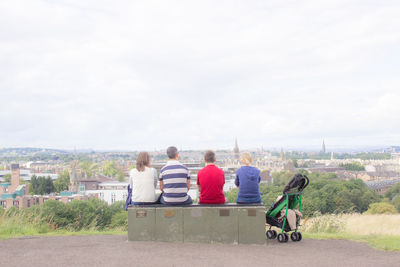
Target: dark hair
{"x":209,"y":156}
{"x":142,"y":161}
{"x":172,"y":152}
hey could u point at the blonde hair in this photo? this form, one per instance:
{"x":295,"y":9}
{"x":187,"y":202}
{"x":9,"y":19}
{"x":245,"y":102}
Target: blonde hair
{"x":246,"y":159}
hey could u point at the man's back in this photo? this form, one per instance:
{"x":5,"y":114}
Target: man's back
{"x":211,"y":180}
{"x":174,"y":176}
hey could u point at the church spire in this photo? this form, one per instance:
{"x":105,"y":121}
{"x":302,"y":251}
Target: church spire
{"x":236,"y":150}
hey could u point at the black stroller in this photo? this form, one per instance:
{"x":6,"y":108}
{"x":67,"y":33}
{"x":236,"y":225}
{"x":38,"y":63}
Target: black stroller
{"x":289,"y":200}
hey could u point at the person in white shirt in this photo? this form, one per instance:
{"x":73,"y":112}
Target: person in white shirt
{"x":143,"y":181}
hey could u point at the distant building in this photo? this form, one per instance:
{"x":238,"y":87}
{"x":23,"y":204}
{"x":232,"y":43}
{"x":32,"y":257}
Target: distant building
{"x":14,"y":194}
{"x":282,"y":154}
{"x":323,"y":150}
{"x":266,"y":176}
{"x":26,"y":175}
{"x":382,"y":186}
{"x":11,"y":194}
{"x":110,"y":192}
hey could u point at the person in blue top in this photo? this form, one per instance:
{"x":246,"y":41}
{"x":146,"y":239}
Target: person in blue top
{"x":247,"y":179}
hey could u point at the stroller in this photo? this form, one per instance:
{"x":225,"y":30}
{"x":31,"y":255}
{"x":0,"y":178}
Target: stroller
{"x":288,"y":200}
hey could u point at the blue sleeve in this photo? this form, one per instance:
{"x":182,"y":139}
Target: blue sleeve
{"x":237,"y":179}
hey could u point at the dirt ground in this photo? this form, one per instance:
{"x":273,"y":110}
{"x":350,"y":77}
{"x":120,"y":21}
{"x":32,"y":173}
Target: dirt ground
{"x":117,"y":251}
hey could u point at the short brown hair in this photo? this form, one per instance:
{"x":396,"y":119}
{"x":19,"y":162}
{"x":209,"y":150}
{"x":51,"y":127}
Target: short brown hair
{"x":172,"y":152}
{"x":209,"y":156}
{"x":142,"y":161}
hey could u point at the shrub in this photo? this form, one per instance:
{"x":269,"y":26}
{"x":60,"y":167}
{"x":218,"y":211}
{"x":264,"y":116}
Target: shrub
{"x":56,"y":213}
{"x":381,"y":208}
{"x":2,"y":211}
{"x":117,"y":207}
{"x":231,"y":195}
{"x":101,"y":212}
{"x":82,"y":213}
{"x":120,"y":219}
{"x":11,"y":212}
{"x":396,"y":203}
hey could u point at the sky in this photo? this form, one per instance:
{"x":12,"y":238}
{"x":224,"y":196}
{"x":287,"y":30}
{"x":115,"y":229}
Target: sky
{"x":144,"y":75}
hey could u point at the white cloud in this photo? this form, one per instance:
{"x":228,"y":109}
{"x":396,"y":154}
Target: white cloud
{"x":147,"y":74}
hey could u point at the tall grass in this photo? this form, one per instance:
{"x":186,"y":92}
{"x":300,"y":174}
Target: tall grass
{"x":76,"y":218}
{"x":357,"y":224}
{"x":381,"y":230}
{"x":19,"y":223}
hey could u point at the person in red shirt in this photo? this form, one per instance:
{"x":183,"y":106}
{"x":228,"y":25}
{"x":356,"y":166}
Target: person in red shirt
{"x":210,"y":181}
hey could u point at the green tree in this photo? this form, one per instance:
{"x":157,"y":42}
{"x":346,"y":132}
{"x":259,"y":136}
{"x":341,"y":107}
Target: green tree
{"x":88,"y":168}
{"x":325,"y":194}
{"x":396,"y":203}
{"x":354,"y":166}
{"x":393,"y":191}
{"x":62,"y":182}
{"x":110,"y":169}
{"x":381,"y":208}
{"x":281,"y":178}
{"x":7,"y":178}
{"x":296,"y":165}
{"x":41,"y":185}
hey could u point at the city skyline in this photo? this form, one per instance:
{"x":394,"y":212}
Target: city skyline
{"x":137,"y":75}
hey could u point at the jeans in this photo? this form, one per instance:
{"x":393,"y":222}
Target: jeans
{"x":187,"y":202}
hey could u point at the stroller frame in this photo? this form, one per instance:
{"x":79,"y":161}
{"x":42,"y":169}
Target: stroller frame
{"x":288,"y":201}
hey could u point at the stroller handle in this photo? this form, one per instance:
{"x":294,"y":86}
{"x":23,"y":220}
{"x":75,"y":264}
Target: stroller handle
{"x":299,"y":181}
{"x":306,"y":182}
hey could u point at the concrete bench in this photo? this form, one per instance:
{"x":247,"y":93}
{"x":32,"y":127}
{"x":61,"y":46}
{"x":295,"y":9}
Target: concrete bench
{"x":229,"y":223}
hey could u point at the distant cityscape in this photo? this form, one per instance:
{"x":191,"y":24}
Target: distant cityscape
{"x":104,"y":175}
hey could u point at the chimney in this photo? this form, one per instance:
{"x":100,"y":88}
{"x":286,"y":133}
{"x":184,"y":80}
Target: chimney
{"x":15,"y":176}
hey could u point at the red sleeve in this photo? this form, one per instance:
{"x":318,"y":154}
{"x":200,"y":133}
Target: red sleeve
{"x":198,"y":180}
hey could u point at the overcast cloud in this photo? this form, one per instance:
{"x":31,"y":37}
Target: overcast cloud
{"x":196,"y":74}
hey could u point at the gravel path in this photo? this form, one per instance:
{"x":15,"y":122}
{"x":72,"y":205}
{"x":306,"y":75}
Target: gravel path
{"x":117,"y":251}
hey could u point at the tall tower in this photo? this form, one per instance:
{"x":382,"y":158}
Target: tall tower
{"x":236,"y":150}
{"x":282,"y":154}
{"x":15,"y":176}
{"x":323,"y":146}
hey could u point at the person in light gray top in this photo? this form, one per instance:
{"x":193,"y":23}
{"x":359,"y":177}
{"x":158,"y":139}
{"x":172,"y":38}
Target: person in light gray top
{"x":143,"y":181}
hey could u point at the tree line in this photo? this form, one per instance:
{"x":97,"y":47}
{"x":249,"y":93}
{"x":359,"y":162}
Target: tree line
{"x":41,"y":185}
{"x":324,"y":194}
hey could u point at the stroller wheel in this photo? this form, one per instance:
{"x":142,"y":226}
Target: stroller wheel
{"x":281,"y":238}
{"x":286,"y":237}
{"x":294,"y":237}
{"x":275,"y":233}
{"x":299,"y":236}
{"x":270,"y":234}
